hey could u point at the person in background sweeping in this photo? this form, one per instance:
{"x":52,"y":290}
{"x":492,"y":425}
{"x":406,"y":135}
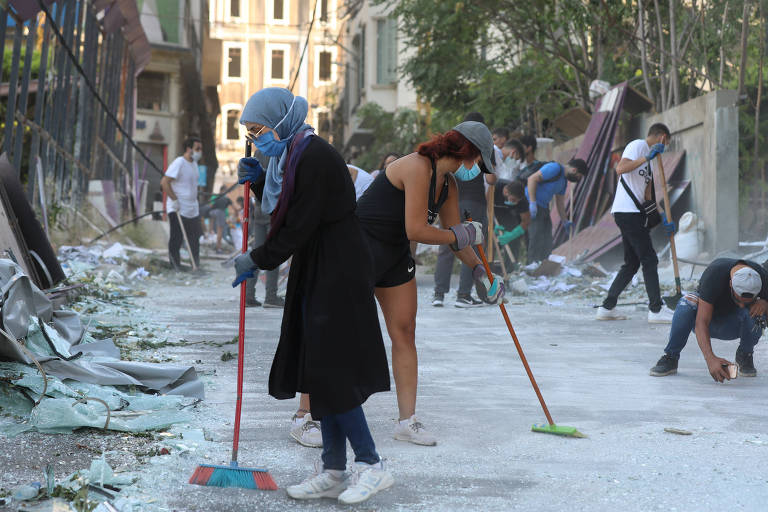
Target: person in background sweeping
{"x":330,"y":342}
{"x":180,"y":186}
{"x":218,"y":215}
{"x":472,"y":198}
{"x":728,"y":304}
{"x":550,"y":181}
{"x":401,"y":205}
{"x":635,"y":188}
{"x":515,"y":199}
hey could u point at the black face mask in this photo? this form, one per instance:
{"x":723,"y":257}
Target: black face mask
{"x":573,"y":178}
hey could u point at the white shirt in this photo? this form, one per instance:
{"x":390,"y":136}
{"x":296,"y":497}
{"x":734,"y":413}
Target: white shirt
{"x":184,"y":185}
{"x":362,"y":181}
{"x":637,"y":180}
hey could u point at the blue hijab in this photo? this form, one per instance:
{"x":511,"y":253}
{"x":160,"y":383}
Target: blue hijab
{"x":279,"y":109}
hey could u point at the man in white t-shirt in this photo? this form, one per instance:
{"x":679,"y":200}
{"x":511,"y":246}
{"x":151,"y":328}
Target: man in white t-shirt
{"x":636,"y":171}
{"x":180,"y":187}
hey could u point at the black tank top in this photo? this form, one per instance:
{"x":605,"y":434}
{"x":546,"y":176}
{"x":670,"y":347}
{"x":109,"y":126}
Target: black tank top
{"x":381,"y":209}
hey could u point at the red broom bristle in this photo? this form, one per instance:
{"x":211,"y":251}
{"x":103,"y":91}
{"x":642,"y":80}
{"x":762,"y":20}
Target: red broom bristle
{"x":264,"y":481}
{"x":201,"y":475}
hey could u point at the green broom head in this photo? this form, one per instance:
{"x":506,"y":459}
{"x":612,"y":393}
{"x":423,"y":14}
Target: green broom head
{"x":558,"y":430}
{"x":233,"y":476}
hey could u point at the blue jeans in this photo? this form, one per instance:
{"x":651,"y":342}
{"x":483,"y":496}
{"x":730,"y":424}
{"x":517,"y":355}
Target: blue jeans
{"x":336,"y":429}
{"x":725,"y":327}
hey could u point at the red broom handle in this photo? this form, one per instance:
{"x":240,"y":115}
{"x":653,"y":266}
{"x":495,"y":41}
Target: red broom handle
{"x":514,"y":337}
{"x":241,"y":327}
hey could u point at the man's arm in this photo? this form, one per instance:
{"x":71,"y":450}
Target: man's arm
{"x":560,"y":203}
{"x":165,"y":184}
{"x":525,"y":219}
{"x":533,"y":183}
{"x":714,"y":363}
{"x":626,"y":165}
{"x":490,"y":179}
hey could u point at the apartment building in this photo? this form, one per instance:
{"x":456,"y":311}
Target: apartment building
{"x":262,"y":43}
{"x":371,"y":69}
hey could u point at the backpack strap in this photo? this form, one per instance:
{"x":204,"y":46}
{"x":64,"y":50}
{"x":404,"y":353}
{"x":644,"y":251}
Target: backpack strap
{"x":634,"y":198}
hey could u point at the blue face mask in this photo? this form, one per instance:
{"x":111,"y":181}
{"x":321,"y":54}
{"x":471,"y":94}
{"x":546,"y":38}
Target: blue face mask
{"x":510,"y":203}
{"x":464,"y":174}
{"x":267,"y":144}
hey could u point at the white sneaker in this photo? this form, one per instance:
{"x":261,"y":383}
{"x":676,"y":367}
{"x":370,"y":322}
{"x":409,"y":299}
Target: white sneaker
{"x":664,"y":316}
{"x":412,"y":430}
{"x":306,"y":431}
{"x":325,"y":484}
{"x":365,"y":481}
{"x":608,"y":314}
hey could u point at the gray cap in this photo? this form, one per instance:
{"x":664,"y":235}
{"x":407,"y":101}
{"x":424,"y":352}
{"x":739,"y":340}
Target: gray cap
{"x":746,"y":281}
{"x":480,"y":136}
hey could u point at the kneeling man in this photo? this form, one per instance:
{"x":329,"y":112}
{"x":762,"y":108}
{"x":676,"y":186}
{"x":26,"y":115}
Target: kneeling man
{"x":729,"y":303}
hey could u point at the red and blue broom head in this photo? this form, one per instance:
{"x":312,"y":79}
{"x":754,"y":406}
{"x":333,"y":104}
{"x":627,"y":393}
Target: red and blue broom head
{"x":233,"y":476}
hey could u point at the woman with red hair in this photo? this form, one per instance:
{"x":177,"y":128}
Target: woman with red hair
{"x":401,"y":205}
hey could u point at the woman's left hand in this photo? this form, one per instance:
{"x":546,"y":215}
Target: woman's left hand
{"x":487,"y":291}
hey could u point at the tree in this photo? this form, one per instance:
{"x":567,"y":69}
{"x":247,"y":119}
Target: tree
{"x":397,"y":132}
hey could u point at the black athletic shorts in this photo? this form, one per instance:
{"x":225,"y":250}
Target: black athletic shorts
{"x":393,"y":264}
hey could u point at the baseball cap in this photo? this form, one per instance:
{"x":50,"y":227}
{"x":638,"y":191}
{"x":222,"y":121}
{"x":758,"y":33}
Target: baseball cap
{"x":746,"y":282}
{"x":480,"y":136}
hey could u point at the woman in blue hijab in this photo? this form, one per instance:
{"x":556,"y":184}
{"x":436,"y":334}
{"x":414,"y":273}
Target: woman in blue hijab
{"x":330,"y":341}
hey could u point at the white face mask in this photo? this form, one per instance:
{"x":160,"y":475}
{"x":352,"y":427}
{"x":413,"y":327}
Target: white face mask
{"x":197,"y":155}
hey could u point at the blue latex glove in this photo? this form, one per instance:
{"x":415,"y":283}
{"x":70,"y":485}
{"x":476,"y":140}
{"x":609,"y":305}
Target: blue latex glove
{"x":490,"y":293}
{"x":245,"y":268}
{"x":249,"y":169}
{"x":533,"y":208}
{"x":669,"y":227}
{"x":656,"y":149}
{"x":568,"y":226}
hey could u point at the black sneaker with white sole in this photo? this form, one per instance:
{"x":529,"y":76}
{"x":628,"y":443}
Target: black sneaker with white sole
{"x":467,"y":301}
{"x":667,"y":365}
{"x":437,"y":300}
{"x":746,"y":366}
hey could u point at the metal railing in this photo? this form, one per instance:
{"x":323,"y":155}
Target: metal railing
{"x":69,"y":114}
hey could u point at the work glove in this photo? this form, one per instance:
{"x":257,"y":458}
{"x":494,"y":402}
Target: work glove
{"x":656,"y":149}
{"x":533,"y":208}
{"x":567,"y":225}
{"x":499,"y":230}
{"x":467,"y":233}
{"x":669,"y":227}
{"x":245,"y":268}
{"x":249,"y":169}
{"x":489,"y":292}
{"x":508,"y":236}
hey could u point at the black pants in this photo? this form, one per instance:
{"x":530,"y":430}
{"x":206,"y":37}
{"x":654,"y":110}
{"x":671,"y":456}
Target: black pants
{"x":194,"y":231}
{"x":638,"y":250}
{"x":540,"y":240}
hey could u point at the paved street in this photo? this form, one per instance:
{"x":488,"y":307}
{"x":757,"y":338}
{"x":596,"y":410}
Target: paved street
{"x":475,"y":396}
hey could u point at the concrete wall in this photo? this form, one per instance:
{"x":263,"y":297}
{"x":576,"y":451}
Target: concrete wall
{"x":707,"y":128}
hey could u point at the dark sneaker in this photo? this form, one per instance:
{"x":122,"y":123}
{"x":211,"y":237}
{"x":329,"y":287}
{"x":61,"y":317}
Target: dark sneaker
{"x":274,"y":302}
{"x":746,"y":366}
{"x":467,"y":301}
{"x":437,"y":300}
{"x":667,"y":365}
{"x":252,"y":303}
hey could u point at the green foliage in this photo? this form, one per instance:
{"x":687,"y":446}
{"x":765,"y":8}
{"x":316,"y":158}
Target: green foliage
{"x":34,"y":64}
{"x":397,"y":132}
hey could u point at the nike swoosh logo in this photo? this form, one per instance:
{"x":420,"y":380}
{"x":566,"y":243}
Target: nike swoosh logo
{"x":410,"y":269}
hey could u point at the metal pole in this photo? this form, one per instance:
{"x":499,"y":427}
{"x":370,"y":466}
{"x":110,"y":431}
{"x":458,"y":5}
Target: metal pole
{"x":10,"y":113}
{"x":39,"y":104}
{"x":31,"y":38}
